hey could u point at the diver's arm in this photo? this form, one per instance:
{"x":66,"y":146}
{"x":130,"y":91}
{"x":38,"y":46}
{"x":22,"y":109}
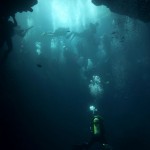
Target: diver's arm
{"x":91,"y":125}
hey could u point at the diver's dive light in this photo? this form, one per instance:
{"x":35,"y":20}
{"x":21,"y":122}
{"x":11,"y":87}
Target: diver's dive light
{"x":93,"y":108}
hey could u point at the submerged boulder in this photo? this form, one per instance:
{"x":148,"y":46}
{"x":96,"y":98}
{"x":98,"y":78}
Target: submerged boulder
{"x":137,"y":9}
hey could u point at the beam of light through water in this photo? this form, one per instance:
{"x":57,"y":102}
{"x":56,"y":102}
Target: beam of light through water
{"x":50,"y":15}
{"x":73,"y":14}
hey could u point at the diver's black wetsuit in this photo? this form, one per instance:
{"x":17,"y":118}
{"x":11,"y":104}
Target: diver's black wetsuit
{"x":98,"y":136}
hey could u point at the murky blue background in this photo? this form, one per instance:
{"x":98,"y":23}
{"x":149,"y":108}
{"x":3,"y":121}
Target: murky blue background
{"x":45,"y":94}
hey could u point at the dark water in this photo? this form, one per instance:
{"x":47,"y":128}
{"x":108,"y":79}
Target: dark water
{"x":44,"y":101}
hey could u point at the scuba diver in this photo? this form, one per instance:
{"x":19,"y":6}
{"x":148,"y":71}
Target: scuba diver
{"x":57,"y":33}
{"x":21,"y":32}
{"x":9,"y":28}
{"x":7,"y":31}
{"x":88,"y":32}
{"x":98,"y":134}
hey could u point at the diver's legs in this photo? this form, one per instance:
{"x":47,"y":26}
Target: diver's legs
{"x":84,"y":146}
{"x":101,"y":142}
{"x":105,"y":147}
{"x":90,"y":143}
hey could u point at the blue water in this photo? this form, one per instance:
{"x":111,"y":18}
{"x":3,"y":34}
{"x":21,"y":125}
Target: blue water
{"x":48,"y":81}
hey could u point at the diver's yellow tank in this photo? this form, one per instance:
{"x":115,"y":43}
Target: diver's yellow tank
{"x":96,"y":126}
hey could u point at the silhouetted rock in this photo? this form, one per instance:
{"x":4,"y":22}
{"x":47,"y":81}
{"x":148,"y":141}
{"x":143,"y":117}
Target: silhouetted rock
{"x":10,"y":7}
{"x":137,"y":9}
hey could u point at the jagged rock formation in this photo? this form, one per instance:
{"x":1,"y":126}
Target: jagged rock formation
{"x":137,"y":9}
{"x":10,"y":7}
